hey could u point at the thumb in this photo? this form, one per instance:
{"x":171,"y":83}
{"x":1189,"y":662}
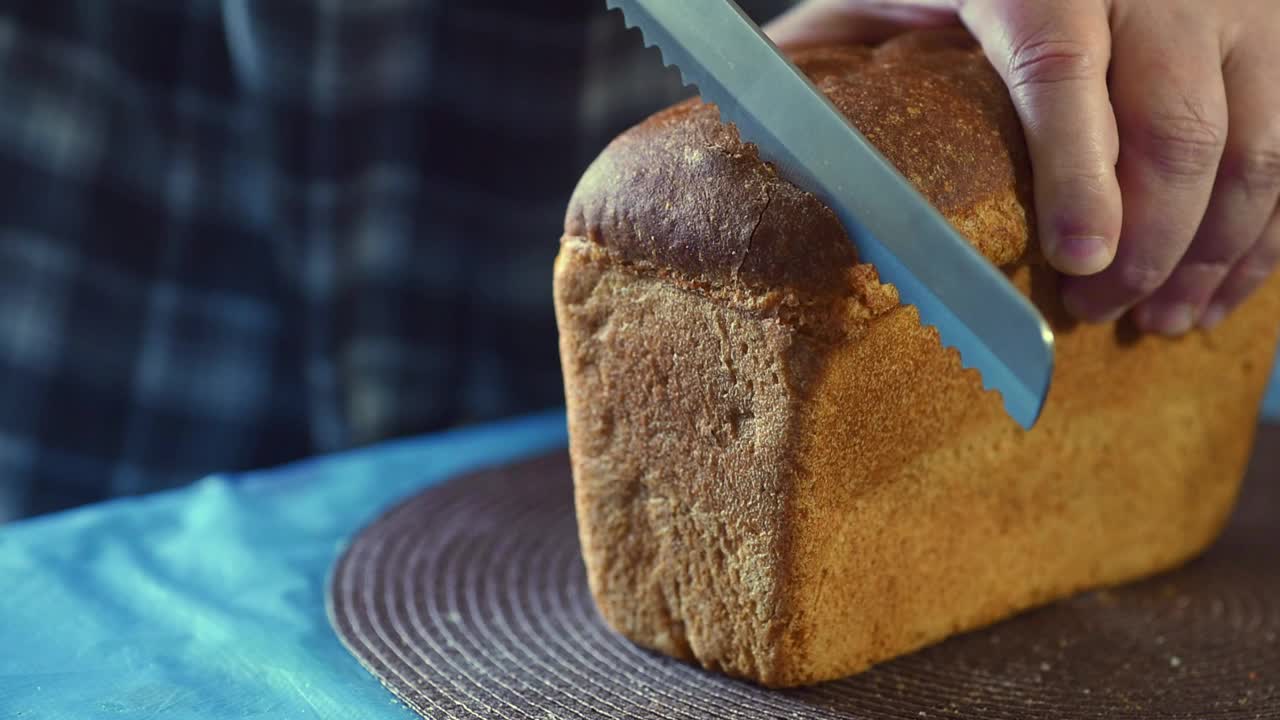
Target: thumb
{"x":1053,"y":55}
{"x":827,"y":22}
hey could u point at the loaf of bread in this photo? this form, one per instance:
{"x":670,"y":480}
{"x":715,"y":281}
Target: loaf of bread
{"x":781,"y":475}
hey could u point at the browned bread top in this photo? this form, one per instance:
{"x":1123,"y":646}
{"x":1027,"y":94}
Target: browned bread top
{"x":681,"y":192}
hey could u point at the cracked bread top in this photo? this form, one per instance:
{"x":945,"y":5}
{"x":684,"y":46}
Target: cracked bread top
{"x":681,"y":193}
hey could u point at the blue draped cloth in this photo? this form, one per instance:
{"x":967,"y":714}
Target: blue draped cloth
{"x":208,"y":602}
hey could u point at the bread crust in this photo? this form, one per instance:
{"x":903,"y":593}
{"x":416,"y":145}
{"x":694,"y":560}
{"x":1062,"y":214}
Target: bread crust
{"x":683,"y":192}
{"x":780,"y":474}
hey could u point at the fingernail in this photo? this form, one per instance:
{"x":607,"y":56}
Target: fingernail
{"x":1212,"y":316}
{"x":1174,"y":319}
{"x":1082,"y":254}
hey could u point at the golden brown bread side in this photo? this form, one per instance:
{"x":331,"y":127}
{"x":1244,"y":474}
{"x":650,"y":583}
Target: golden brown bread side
{"x":781,"y":475}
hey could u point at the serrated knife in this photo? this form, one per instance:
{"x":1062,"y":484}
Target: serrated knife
{"x":975,"y":308}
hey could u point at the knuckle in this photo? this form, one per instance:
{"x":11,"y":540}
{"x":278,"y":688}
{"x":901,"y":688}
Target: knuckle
{"x":1047,"y":58}
{"x":1084,"y":187}
{"x":1141,"y":278}
{"x":1256,"y":170}
{"x":1216,"y":264}
{"x":1260,"y":262}
{"x":1268,"y":248}
{"x":1218,"y":245}
{"x":1258,"y":272}
{"x":1264,"y":261}
{"x":1249,"y":276}
{"x":1183,"y":143}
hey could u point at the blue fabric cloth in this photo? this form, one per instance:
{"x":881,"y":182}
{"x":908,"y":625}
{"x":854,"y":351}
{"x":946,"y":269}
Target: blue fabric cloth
{"x":208,"y":602}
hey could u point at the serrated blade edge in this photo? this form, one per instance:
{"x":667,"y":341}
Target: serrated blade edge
{"x":974,"y":308}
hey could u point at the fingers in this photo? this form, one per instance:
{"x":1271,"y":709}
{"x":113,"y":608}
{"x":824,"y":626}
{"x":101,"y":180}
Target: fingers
{"x":1054,"y":58}
{"x":1246,"y":275}
{"x":1124,"y":102}
{"x":821,"y":22}
{"x":1245,"y":195}
{"x":1171,"y":112}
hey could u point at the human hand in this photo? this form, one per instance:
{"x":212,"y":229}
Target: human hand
{"x":1154,"y":133}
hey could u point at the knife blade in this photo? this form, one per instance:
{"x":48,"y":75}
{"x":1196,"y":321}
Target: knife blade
{"x":717,"y":48}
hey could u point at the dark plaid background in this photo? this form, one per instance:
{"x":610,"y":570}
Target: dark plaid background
{"x":234,"y":232}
